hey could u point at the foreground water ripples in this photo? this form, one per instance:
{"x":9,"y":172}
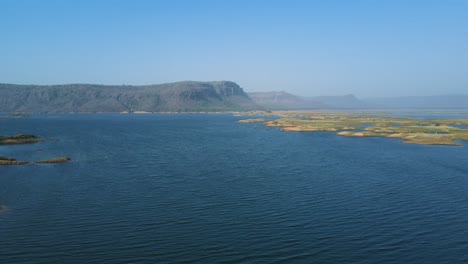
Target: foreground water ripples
{"x":205,"y":189}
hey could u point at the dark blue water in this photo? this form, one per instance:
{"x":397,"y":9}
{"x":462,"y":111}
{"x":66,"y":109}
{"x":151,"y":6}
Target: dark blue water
{"x":205,"y":189}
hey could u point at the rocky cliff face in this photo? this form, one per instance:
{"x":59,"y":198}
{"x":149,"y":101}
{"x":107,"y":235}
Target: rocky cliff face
{"x":173,"y":97}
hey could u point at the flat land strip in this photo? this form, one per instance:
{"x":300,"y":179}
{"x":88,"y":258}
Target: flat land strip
{"x":440,"y":131}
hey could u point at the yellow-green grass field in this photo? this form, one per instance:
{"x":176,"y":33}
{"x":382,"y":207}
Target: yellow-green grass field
{"x":409,"y":130}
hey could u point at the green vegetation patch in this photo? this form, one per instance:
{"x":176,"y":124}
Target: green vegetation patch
{"x":409,"y":130}
{"x":253,"y":120}
{"x":19,"y":139}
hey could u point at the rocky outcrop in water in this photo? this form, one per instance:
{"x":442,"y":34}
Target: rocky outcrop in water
{"x":9,"y":161}
{"x":19,"y":139}
{"x":55,"y":160}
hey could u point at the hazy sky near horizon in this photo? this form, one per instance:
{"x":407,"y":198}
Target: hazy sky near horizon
{"x":368,"y":48}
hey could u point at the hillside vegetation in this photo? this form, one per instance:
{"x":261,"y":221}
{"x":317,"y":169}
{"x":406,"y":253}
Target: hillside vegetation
{"x":172,"y":97}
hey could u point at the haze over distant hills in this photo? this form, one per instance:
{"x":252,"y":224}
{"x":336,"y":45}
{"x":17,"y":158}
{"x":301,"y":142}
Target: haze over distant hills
{"x":284,"y":101}
{"x":422,"y":102}
{"x":191,"y":96}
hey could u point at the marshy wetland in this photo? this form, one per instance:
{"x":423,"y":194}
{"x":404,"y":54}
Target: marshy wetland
{"x":411,"y":130}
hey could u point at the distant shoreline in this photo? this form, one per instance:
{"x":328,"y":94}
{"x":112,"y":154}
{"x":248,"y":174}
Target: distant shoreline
{"x":367,"y":111}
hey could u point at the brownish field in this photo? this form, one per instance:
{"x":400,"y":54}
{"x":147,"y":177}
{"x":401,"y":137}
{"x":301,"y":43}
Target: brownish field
{"x":409,"y":130}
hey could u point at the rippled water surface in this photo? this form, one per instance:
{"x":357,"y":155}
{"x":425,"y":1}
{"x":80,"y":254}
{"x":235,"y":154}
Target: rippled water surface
{"x":206,"y":189}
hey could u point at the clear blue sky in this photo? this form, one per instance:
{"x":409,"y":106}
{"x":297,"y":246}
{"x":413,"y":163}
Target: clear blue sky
{"x":329,"y":47}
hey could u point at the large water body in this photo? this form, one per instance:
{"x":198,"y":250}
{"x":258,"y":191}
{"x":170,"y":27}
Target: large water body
{"x":206,"y":189}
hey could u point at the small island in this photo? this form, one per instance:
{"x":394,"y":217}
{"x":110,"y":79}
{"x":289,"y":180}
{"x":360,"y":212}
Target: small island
{"x":10,"y":161}
{"x":20,"y":115}
{"x":25,"y":139}
{"x":19,"y":139}
{"x":55,"y":160}
{"x":253,"y":120}
{"x":444,"y":131}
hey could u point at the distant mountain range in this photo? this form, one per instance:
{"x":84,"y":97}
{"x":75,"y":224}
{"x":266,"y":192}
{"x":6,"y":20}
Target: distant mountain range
{"x":422,"y":102}
{"x":190,"y":96}
{"x":172,"y":97}
{"x":285,"y":101}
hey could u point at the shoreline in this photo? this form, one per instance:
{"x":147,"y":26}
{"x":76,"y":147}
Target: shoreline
{"x":321,"y":111}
